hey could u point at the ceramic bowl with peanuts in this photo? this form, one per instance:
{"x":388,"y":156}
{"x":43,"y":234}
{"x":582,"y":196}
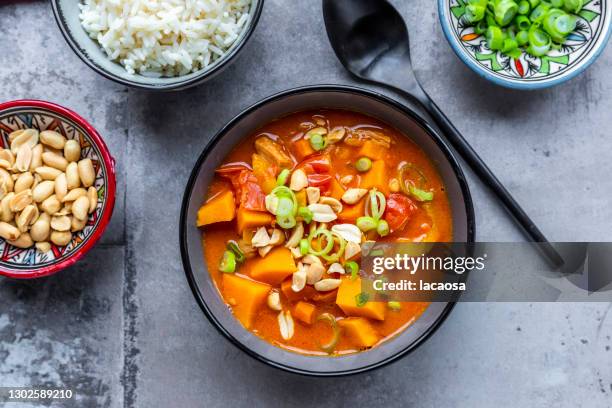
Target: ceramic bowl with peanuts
{"x":57,"y":188}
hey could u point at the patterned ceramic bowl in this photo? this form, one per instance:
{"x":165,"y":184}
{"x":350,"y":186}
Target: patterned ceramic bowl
{"x":582,"y":47}
{"x":30,"y":263}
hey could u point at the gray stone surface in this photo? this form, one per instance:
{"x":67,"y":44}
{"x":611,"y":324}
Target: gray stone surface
{"x":122,"y":328}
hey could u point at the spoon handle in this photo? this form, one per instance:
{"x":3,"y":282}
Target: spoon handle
{"x":486,"y":175}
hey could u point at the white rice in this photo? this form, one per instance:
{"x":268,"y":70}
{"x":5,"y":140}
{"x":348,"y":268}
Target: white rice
{"x":166,"y":38}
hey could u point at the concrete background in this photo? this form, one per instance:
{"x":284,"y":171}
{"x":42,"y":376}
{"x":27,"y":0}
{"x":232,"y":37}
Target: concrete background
{"x":121,"y":328}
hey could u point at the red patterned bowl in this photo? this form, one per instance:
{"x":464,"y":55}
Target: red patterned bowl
{"x":30,"y":263}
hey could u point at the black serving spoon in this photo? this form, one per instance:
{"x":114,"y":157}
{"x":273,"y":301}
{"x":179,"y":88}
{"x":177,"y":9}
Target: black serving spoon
{"x":371,"y":40}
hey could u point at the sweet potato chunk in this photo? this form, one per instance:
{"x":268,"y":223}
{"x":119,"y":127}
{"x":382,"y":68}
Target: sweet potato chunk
{"x":347,"y":301}
{"x":359,"y":331}
{"x":273,"y":152}
{"x":376,"y":177}
{"x":220,"y":208}
{"x":265,"y":172}
{"x":247,"y":219}
{"x":336,"y":189}
{"x":303,"y":149}
{"x":305,"y":312}
{"x":374,"y":150}
{"x":350,"y":213}
{"x":245,"y":296}
{"x":274,"y":267}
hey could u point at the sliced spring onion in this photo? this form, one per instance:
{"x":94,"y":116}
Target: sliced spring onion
{"x":474,"y":13}
{"x":522,"y":23}
{"x":352,"y":268}
{"x":495,"y":38}
{"x":382,"y":228}
{"x":504,"y":11}
{"x":556,"y":3}
{"x":480,"y":27}
{"x":573,"y":6}
{"x":321,"y":234}
{"x":287,"y":207}
{"x":509,"y":45}
{"x":363,"y":164}
{"x":317,"y":141}
{"x":395,"y":306}
{"x":282,"y":178}
{"x":524,"y":7}
{"x":334,"y":257}
{"x":228,"y":262}
{"x":558,"y":26}
{"x":235,"y":248}
{"x":361,"y":299}
{"x":304,"y":246}
{"x":366,"y":224}
{"x":306,"y":214}
{"x":522,"y":37}
{"x":421,"y":195}
{"x":539,"y":12}
{"x":534,"y":3}
{"x":539,"y":42}
{"x":330,"y":345}
{"x":377,"y":206}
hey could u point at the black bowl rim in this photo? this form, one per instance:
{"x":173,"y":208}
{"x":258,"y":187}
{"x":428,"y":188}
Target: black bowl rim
{"x":471,"y":224}
{"x":176,"y":86}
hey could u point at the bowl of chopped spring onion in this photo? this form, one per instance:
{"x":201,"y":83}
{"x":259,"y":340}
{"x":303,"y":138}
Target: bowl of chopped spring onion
{"x":526,"y":44}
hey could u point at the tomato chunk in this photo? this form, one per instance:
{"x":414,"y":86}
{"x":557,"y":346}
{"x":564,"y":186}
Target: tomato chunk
{"x":399,"y":210}
{"x":249,"y":193}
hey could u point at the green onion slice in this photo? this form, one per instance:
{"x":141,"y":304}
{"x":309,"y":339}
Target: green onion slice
{"x":282,"y":178}
{"x":353,"y":268}
{"x":524,"y":7}
{"x":322,"y":234}
{"x":235,"y":248}
{"x":421,"y":195}
{"x":228,"y":262}
{"x":306,"y":214}
{"x":366,"y":224}
{"x":395,"y":306}
{"x":382,"y":228}
{"x":361,"y":299}
{"x":317,"y":141}
{"x":495,"y":38}
{"x":363,"y":164}
{"x":304,"y":246}
{"x":504,"y":11}
{"x":330,"y":345}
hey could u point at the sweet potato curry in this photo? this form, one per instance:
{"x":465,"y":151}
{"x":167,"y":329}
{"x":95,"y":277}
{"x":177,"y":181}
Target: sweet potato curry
{"x":286,"y":216}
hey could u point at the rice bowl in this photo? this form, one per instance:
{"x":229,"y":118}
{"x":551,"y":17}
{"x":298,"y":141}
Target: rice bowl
{"x":158,"y":38}
{"x":67,"y":14}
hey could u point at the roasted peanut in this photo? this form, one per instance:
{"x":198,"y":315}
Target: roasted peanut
{"x":37,"y":152}
{"x":8,"y":231}
{"x":74,"y":194}
{"x":61,"y":186}
{"x":52,"y":139}
{"x":92,"y":195}
{"x":54,"y":160}
{"x":23,"y":241}
{"x":86,"y":172}
{"x":80,"y":207}
{"x":43,"y":191}
{"x":24,"y":181}
{"x":77,"y":225}
{"x":72,"y":150}
{"x":72,"y":176}
{"x":43,"y":246}
{"x":40,"y":229}
{"x":48,"y":173}
{"x":51,"y":205}
{"x":61,"y":238}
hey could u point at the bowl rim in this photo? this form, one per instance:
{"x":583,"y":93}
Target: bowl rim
{"x":519,"y":84}
{"x":109,"y":164}
{"x":448,"y":153}
{"x":202,"y":76}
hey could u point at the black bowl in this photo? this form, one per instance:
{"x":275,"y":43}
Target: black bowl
{"x":243,"y":125}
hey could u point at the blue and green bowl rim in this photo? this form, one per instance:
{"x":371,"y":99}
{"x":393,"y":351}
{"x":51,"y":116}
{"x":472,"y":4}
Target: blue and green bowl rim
{"x":516,"y":84}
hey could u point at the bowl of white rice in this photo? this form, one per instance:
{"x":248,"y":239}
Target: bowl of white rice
{"x":157,"y":44}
